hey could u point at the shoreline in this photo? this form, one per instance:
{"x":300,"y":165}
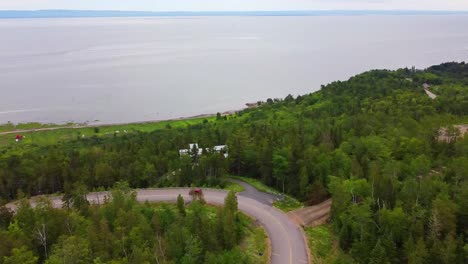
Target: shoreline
{"x":86,"y":125}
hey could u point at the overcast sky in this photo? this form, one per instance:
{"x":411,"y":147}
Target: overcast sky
{"x":232,"y":5}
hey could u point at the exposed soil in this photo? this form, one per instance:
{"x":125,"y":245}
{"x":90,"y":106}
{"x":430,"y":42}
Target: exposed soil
{"x":445,"y":135}
{"x":312,"y":215}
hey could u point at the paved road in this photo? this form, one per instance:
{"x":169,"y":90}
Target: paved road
{"x":287,"y":240}
{"x":251,"y":192}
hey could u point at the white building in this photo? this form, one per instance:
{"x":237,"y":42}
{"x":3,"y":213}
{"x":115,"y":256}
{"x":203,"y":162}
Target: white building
{"x":219,"y":149}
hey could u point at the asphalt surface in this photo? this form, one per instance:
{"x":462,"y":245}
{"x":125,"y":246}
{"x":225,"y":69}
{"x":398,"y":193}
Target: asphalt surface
{"x":251,"y":192}
{"x":287,"y":240}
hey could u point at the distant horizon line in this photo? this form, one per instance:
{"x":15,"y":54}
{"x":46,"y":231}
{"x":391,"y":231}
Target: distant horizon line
{"x":72,"y":13}
{"x":257,"y":10}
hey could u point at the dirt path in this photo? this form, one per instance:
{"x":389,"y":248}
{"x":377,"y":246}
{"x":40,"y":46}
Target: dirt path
{"x":448,"y":136}
{"x":312,"y":215}
{"x":430,"y":94}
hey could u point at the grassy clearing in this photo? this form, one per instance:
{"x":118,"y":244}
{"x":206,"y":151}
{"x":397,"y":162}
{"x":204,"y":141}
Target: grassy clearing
{"x":231,"y":186}
{"x":324,"y":246}
{"x":287,"y":204}
{"x":227,"y":186}
{"x":257,"y":184}
{"x":49,"y":137}
{"x":26,"y":126}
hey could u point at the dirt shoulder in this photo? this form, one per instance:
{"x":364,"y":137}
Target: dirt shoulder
{"x":312,"y":215}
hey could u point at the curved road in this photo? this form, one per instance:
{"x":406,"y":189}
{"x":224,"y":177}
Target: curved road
{"x":251,"y":192}
{"x":287,"y":240}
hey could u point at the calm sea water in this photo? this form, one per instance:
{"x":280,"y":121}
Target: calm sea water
{"x":135,"y":69}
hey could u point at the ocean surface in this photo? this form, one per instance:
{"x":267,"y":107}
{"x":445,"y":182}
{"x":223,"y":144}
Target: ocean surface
{"x":116,"y":70}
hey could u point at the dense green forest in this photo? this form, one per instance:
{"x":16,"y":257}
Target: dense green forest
{"x":124,"y":231}
{"x":371,"y":143}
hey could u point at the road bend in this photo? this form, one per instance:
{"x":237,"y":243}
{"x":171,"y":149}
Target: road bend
{"x":287,"y":241}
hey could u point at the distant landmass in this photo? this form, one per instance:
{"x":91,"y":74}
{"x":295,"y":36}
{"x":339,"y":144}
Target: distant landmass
{"x":88,"y":13}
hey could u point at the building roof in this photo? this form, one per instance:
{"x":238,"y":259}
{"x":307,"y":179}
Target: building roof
{"x":191,"y":145}
{"x":183,"y":151}
{"x":220,"y":147}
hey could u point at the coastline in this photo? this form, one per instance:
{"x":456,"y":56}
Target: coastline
{"x":51,"y":127}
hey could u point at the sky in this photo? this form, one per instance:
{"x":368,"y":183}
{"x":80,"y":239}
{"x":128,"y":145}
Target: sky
{"x":235,"y":5}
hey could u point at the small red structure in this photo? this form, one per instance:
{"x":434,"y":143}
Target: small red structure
{"x":19,"y":137}
{"x":197,"y":194}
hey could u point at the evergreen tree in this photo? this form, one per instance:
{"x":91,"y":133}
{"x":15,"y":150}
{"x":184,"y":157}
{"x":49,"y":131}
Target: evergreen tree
{"x":181,"y":205}
{"x":378,"y":255}
{"x":230,"y":203}
{"x":419,"y":253}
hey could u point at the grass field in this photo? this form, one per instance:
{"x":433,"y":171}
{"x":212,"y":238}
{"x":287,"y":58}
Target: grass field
{"x":257,"y":184}
{"x":26,"y":126}
{"x":288,"y":204}
{"x":228,"y":186}
{"x":231,"y":186}
{"x":72,"y":132}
